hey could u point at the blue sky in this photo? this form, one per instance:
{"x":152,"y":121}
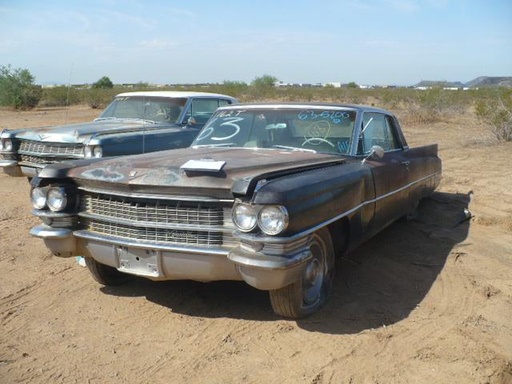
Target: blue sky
{"x":303,"y":41}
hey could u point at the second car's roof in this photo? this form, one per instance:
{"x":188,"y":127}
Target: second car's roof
{"x":174,"y":94}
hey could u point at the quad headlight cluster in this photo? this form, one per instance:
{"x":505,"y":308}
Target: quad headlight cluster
{"x":6,"y":145}
{"x":55,"y":198}
{"x":271,"y":219}
{"x":93,"y":151}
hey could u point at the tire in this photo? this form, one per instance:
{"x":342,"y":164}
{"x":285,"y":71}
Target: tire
{"x":412,"y":214}
{"x":310,"y":292}
{"x":106,"y":275}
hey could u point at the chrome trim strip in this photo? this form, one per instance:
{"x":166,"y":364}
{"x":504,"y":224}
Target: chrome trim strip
{"x":52,"y":155}
{"x":154,"y":196}
{"x":148,"y":245}
{"x":403,"y":188}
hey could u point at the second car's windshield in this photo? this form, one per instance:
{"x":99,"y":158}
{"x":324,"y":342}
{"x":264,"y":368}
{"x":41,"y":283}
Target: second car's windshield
{"x":158,"y":109}
{"x":319,"y":130}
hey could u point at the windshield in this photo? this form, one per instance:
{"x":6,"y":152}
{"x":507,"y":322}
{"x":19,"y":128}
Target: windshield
{"x":157,"y":109}
{"x":315,"y":130}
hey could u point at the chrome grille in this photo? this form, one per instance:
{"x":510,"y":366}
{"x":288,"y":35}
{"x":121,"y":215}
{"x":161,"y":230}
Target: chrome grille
{"x":30,"y":147}
{"x":39,"y":160}
{"x":162,"y":221}
{"x":160,"y":235}
{"x":152,"y":211}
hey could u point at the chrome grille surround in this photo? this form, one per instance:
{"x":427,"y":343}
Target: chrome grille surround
{"x":159,"y":220}
{"x":47,"y":153}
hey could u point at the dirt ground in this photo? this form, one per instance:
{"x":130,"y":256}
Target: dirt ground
{"x":423,"y":302}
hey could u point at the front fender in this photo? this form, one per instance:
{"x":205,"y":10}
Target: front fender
{"x":319,"y":197}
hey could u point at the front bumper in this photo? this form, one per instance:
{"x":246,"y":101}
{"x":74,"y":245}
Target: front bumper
{"x":156,"y":262}
{"x":11,"y":167}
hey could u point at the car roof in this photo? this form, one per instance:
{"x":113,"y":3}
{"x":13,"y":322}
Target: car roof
{"x":175,"y":94}
{"x":302,"y":105}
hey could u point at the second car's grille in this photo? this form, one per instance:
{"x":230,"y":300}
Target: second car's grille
{"x":36,"y":148}
{"x":163,"y":221}
{"x":39,"y":159}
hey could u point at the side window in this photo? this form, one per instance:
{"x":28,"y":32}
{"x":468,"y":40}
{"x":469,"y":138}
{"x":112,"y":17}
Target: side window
{"x":202,"y":109}
{"x":378,"y":129}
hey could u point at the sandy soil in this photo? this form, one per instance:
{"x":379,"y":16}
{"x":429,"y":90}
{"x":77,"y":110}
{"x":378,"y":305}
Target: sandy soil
{"x":423,"y":302}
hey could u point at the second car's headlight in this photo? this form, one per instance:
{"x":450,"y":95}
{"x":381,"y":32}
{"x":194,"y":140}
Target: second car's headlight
{"x":244,"y":217}
{"x":6,"y":145}
{"x":93,"y":151}
{"x":273,"y":219}
{"x":39,"y":196}
{"x":57,"y":199}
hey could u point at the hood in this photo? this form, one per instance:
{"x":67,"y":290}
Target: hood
{"x":82,"y":132}
{"x":240,"y":170}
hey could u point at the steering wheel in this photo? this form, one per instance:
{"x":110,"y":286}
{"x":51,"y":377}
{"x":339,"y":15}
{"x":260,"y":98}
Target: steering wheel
{"x":318,"y":140}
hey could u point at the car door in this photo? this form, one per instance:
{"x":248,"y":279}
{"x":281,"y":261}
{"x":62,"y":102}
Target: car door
{"x":391,"y":172}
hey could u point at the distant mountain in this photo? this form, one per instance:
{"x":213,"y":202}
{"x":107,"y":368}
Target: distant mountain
{"x":439,"y":84}
{"x":490,"y":81}
{"x":479,"y":82}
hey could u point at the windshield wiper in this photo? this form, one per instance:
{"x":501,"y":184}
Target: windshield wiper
{"x":214,"y":145}
{"x":294,"y":148}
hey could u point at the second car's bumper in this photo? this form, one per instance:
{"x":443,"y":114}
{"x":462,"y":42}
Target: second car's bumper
{"x":266,"y":272}
{"x":11,"y":167}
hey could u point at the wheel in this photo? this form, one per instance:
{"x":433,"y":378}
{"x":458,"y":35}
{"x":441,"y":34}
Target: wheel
{"x":104,"y":274}
{"x":310,"y":292}
{"x":412,"y":213}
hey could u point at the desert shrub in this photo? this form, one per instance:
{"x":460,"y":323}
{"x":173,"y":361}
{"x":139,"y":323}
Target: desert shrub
{"x":60,"y":96}
{"x":495,"y":111}
{"x":100,"y":97}
{"x":263,"y":87}
{"x":17,"y":88}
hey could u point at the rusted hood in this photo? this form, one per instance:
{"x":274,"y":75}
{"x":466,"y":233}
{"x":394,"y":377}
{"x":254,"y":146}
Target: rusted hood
{"x":240,"y":169}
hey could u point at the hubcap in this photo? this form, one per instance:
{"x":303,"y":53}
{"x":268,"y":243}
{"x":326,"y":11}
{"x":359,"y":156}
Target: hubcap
{"x":313,"y":277}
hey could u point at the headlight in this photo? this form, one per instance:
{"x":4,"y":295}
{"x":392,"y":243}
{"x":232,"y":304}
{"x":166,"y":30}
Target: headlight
{"x":6,"y":145}
{"x":244,"y":217}
{"x":97,"y":151}
{"x":57,"y":199}
{"x":93,"y":151}
{"x":273,"y":219}
{"x":38,"y":196}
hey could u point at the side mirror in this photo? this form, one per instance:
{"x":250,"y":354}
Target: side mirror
{"x":376,"y":152}
{"x":191,"y":121}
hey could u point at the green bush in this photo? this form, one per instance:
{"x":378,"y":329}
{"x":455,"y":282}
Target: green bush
{"x":17,"y":88}
{"x":495,"y":111}
{"x":60,"y":96}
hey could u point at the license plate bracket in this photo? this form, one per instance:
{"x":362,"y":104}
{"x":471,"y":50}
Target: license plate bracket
{"x":142,"y":262}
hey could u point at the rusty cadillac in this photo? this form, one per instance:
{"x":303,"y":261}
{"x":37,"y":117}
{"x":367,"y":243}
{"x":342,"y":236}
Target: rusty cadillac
{"x":269,"y":194}
{"x":135,"y":122}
